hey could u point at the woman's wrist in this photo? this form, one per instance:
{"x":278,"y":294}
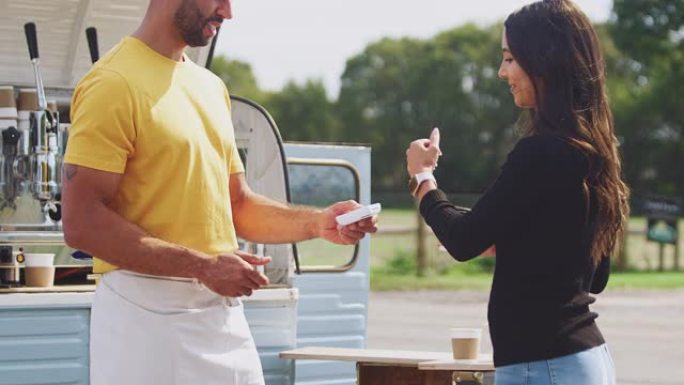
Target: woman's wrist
{"x":418,"y":179}
{"x":424,"y":188}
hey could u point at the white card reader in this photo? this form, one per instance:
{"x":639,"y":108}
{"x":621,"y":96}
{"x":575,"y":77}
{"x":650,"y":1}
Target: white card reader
{"x":358,"y":214}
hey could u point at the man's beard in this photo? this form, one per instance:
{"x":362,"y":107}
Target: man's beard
{"x":191,"y":22}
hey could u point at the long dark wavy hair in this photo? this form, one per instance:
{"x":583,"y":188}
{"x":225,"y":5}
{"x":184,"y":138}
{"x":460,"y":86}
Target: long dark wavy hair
{"x":554,"y":42}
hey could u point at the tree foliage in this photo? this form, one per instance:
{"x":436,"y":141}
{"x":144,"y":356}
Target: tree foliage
{"x":238,"y":77}
{"x":304,"y":112}
{"x":396,"y":90}
{"x":648,"y":108}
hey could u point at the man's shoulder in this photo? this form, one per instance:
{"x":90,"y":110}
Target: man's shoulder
{"x":209,"y":76}
{"x":102,"y":78}
{"x":111,"y":69}
{"x":119,"y":58}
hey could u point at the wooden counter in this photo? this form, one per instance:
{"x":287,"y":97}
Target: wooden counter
{"x":402,"y":367}
{"x":83,"y":294}
{"x":483,"y":364}
{"x":51,"y":289}
{"x":375,"y":356}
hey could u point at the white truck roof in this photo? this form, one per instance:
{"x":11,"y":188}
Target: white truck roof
{"x":62,"y":44}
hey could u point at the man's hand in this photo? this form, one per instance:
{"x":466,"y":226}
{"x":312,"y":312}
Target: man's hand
{"x":233,"y":275}
{"x":344,"y":235}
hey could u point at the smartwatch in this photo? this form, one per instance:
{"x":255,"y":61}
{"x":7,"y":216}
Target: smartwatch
{"x":418,"y":179}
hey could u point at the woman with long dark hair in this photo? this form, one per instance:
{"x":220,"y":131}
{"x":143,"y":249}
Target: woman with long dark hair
{"x":556,"y":212}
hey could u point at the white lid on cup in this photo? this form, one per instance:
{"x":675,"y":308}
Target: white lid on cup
{"x":39,"y":259}
{"x":466,"y":332}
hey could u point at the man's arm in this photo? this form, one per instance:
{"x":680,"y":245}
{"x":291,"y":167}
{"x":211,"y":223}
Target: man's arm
{"x":264,"y":220}
{"x":90,"y":225}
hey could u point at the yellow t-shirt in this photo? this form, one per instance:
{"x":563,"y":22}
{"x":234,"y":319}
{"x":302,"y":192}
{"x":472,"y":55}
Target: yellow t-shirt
{"x":166,"y":127}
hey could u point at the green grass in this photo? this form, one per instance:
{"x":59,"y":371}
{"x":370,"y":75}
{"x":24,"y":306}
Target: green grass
{"x":647,"y":280}
{"x":446,"y":274}
{"x":383,"y":281}
{"x":393,"y":260}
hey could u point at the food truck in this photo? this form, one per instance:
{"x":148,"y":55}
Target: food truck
{"x":318,"y":294}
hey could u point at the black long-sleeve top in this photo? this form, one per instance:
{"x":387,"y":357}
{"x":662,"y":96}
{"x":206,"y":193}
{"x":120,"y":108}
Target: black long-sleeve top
{"x":536,"y":214}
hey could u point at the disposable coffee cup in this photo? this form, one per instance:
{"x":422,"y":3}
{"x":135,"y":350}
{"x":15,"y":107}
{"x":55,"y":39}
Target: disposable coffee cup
{"x":465,"y":343}
{"x":8,"y":106}
{"x":39,"y":269}
{"x":28,"y":100}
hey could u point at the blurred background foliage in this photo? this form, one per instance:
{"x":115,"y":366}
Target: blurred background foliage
{"x":396,"y":90}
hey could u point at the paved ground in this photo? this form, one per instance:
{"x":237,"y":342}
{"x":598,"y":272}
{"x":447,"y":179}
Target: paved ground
{"x":644,"y":329}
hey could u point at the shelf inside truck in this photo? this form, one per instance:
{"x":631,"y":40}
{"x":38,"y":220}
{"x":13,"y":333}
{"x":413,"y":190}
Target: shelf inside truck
{"x":53,"y":289}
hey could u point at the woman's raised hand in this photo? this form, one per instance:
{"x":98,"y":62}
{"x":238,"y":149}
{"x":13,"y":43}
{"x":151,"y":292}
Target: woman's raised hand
{"x":422,"y":154}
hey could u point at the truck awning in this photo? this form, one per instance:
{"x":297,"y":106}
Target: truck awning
{"x":62,"y":44}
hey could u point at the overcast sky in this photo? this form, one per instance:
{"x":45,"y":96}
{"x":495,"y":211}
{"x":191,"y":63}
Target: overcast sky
{"x":301,"y":39}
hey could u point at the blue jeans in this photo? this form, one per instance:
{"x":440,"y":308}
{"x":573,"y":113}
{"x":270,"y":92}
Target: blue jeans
{"x":590,"y":367}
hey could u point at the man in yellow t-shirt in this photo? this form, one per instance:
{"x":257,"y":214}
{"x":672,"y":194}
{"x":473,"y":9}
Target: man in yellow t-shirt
{"x":153,"y":186}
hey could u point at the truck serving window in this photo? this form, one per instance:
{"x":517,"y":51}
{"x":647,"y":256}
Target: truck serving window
{"x":321,"y":182}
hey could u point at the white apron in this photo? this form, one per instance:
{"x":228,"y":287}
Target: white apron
{"x":152,"y":331}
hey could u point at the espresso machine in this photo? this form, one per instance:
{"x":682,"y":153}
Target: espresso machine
{"x":32,"y":161}
{"x":30,"y":179}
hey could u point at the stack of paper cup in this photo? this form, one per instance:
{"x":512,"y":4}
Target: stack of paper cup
{"x":28,"y":100}
{"x":8,"y":108}
{"x":39,"y":269}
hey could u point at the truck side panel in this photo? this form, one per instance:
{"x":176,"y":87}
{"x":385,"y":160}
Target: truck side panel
{"x":333,"y":307}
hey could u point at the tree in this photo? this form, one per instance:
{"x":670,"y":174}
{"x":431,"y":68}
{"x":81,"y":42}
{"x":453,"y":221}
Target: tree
{"x":238,"y":77}
{"x":304,"y":112}
{"x":398,"y":89}
{"x":649,"y":111}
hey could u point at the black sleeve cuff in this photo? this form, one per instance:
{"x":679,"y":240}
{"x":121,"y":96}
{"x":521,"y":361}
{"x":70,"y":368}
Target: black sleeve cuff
{"x":430,"y":200}
{"x":600,"y":279}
